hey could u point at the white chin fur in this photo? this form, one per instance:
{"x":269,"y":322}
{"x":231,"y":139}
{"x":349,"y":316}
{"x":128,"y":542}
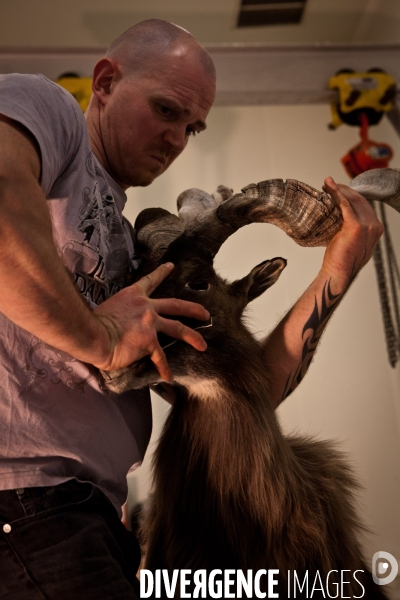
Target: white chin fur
{"x":205,"y":389}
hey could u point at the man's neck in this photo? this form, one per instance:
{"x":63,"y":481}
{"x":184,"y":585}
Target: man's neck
{"x":92,"y":118}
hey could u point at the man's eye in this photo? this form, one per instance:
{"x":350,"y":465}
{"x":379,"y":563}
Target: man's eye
{"x":165,"y":110}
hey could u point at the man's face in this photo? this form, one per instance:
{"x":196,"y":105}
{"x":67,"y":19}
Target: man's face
{"x":149,"y":118}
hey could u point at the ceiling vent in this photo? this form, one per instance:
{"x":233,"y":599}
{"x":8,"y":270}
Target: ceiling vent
{"x":259,"y":13}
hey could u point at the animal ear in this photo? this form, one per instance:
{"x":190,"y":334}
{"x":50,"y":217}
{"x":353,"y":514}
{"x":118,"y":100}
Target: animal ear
{"x":263,"y":276}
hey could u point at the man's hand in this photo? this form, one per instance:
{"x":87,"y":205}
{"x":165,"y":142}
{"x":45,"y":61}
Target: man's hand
{"x":352,"y":247}
{"x":132,"y":320}
{"x":290,"y":348}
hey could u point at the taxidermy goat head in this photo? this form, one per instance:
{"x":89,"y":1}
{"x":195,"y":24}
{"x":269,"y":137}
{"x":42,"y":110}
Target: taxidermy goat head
{"x":230,"y":491}
{"x":192,"y":239}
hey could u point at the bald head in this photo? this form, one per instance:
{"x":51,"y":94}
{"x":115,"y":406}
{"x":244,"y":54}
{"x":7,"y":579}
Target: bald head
{"x":143,"y":46}
{"x":151,"y":92}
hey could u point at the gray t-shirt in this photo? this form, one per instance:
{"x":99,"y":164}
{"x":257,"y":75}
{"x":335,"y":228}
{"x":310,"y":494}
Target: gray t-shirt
{"x":56,"y":420}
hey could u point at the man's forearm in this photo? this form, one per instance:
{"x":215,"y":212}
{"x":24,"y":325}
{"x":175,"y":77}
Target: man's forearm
{"x":37,"y":293}
{"x":290,"y":348}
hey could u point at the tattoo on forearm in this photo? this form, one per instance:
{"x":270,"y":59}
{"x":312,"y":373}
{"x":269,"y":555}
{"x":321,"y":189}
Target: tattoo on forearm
{"x":313,"y":329}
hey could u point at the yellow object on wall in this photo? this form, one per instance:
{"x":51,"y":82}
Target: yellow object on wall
{"x":372,"y":92}
{"x":79,"y":87}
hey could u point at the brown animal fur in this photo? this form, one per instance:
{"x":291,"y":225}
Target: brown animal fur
{"x":230,"y":490}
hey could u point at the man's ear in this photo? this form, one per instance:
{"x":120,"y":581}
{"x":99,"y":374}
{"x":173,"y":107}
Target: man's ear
{"x":259,"y":279}
{"x":105,"y":72}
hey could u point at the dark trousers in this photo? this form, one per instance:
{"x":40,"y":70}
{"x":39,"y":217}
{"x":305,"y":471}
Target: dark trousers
{"x":65,"y":542}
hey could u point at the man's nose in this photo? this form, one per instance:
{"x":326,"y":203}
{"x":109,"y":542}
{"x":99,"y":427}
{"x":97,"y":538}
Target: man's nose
{"x":175,"y":136}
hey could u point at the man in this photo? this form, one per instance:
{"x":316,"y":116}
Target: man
{"x":67,"y":307}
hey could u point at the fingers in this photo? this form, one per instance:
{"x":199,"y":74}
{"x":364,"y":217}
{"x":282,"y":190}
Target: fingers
{"x":352,"y":247}
{"x":339,"y":197}
{"x":170,"y":306}
{"x":160,"y":362}
{"x":183,"y":308}
{"x":132,"y":320}
{"x":352,"y":204}
{"x":150,"y":282}
{"x":360,"y":205}
{"x":179,"y":331}
{"x":176,"y":330}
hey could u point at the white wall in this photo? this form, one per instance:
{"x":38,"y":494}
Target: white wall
{"x":83,"y":23}
{"x":351,"y":394}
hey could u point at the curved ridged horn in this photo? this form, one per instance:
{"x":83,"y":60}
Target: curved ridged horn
{"x":379,"y":184}
{"x":308,"y":216}
{"x":156,"y":229}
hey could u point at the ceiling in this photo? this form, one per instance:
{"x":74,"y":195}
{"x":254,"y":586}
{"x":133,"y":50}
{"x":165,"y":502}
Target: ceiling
{"x":95,"y":23}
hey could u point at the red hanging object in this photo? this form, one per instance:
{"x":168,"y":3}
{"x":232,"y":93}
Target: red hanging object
{"x":367,"y":154}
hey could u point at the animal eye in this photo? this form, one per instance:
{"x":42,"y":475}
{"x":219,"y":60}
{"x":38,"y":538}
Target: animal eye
{"x":198,"y":286}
